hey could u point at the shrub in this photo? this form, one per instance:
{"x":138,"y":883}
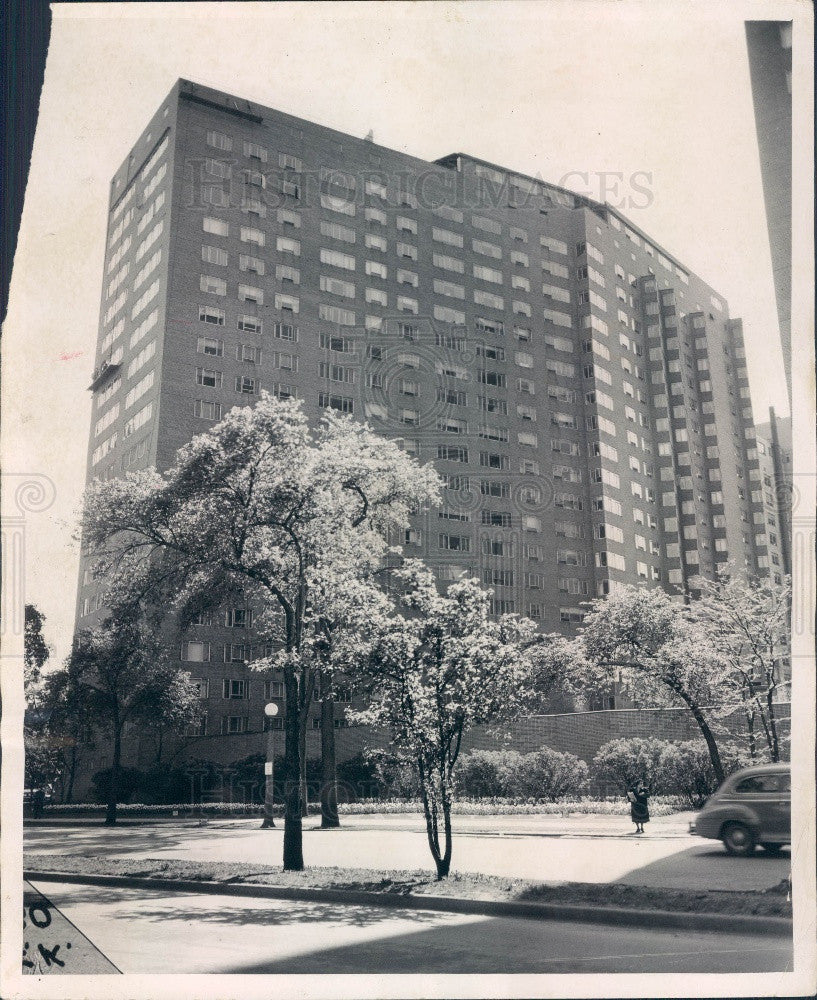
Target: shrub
{"x":659,"y":806}
{"x":395,"y":778}
{"x":623,"y":762}
{"x":549,"y":774}
{"x":131,"y":780}
{"x":687,"y":769}
{"x":488,"y":773}
{"x":357,"y":779}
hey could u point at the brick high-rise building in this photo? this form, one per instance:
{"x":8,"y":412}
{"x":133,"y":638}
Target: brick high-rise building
{"x":582,"y":393}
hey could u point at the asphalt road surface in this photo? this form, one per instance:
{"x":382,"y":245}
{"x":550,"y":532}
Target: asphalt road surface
{"x":172,"y":932}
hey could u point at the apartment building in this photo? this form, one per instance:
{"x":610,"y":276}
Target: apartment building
{"x":583,"y":395}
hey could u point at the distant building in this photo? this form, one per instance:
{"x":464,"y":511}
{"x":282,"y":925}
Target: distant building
{"x":774,"y":446}
{"x":769,"y":45}
{"x":583,"y":394}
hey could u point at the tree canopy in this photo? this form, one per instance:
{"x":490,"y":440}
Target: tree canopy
{"x":263,"y":503}
{"x":437,"y":665}
{"x":647,"y":643}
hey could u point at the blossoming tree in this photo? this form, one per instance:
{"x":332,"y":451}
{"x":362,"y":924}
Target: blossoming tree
{"x":435,"y":666}
{"x":747,"y":624}
{"x":650,"y":645}
{"x":263,"y":503}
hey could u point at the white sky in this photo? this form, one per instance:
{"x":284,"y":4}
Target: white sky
{"x":544,"y":88}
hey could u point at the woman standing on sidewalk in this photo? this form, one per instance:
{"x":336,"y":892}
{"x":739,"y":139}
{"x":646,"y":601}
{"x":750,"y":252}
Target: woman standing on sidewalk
{"x":638,"y":797}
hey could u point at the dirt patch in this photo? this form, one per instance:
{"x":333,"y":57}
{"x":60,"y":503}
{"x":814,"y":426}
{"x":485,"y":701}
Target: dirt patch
{"x":772,"y":902}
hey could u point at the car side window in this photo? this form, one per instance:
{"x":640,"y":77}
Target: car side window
{"x":785,"y":782}
{"x":759,"y":783}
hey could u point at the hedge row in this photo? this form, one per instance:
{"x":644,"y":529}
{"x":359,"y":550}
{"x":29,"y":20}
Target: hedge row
{"x":494,"y":778}
{"x":661,"y":806}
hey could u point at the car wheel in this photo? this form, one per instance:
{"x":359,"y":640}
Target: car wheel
{"x":772,"y":848}
{"x":738,"y":839}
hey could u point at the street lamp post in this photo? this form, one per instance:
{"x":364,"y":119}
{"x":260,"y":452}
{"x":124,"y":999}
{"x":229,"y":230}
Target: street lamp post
{"x":270,"y":711}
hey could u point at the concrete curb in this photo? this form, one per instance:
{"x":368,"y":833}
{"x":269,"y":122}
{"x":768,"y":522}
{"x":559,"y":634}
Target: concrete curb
{"x":733,"y":923}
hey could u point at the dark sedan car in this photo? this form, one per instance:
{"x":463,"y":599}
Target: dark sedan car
{"x":751,"y":807}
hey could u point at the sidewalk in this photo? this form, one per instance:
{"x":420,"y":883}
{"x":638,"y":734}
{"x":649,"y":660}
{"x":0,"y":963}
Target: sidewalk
{"x":552,"y":849}
{"x":552,"y":825}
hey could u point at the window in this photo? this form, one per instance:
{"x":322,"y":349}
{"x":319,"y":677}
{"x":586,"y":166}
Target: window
{"x":487,"y":274}
{"x":252,"y":324}
{"x":337,"y":259}
{"x":209,"y":314}
{"x":342,"y":345}
{"x":455,"y":543}
{"x":234,"y":724}
{"x":249,"y":293}
{"x":406,"y":304}
{"x":284,"y":361}
{"x":491,"y":460}
{"x":448,"y":288}
{"x":254,"y":206}
{"x":207,"y":377}
{"x":246,"y":385}
{"x":212,"y":285}
{"x":256,"y":236}
{"x":483,"y":298}
{"x":255,"y":152}
{"x":446,"y":315}
{"x":238,"y":618}
{"x":452,"y":453}
{"x":344,"y":289}
{"x":486,"y":225}
{"x":375,"y":242}
{"x":195,"y":652}
{"x":406,"y":277}
{"x":288,"y":162}
{"x":446,"y":236}
{"x":248,"y":352}
{"x":218,"y":227}
{"x":344,"y":404}
{"x":283,"y":272}
{"x":219,"y":141}
{"x":254,"y":264}
{"x":206,"y":409}
{"x":375,"y":215}
{"x":407,"y":251}
{"x":448,"y":263}
{"x":377,"y":296}
{"x":287,"y":303}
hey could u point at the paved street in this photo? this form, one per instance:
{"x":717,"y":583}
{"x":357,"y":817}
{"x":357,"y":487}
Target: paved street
{"x":546,"y":848}
{"x":160,"y":932}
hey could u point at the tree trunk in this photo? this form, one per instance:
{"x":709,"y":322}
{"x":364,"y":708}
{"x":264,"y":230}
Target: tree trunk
{"x":113,"y":787}
{"x":432,"y":831}
{"x":329,"y":781}
{"x":293,"y":829}
{"x":72,"y":771}
{"x":444,"y":864}
{"x":750,"y":725}
{"x":706,"y":732}
{"x":304,"y":791}
{"x":774,"y":745}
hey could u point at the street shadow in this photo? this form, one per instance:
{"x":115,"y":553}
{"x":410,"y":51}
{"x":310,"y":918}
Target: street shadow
{"x":706,"y":866}
{"x":150,"y":904}
{"x":509,"y":946}
{"x":115,"y":841}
